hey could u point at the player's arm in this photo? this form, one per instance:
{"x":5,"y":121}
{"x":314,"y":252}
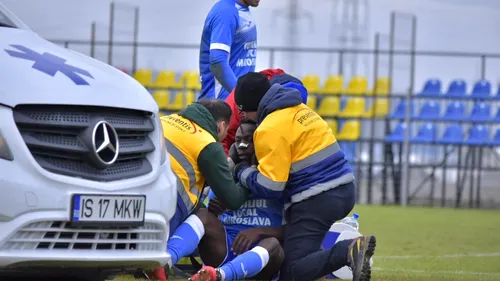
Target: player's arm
{"x":271,"y":231}
{"x":224,"y":24}
{"x":246,"y":238}
{"x":212,"y":162}
{"x":273,"y":154}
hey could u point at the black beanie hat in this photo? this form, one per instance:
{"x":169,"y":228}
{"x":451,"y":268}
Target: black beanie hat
{"x":250,"y":89}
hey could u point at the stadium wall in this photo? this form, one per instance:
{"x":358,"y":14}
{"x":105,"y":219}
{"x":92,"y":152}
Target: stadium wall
{"x":443,"y":25}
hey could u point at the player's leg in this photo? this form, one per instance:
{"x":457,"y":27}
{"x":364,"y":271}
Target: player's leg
{"x":260,"y":263}
{"x":187,"y":236}
{"x":276,"y":257}
{"x":307,"y":224}
{"x":213,"y":246}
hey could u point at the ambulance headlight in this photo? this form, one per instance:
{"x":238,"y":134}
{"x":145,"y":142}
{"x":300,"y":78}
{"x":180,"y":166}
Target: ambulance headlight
{"x":4,"y":149}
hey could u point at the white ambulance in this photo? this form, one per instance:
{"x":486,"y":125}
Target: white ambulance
{"x":86,"y":189}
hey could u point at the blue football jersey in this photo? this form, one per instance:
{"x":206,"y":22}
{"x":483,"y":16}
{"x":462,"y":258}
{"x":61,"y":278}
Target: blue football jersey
{"x":230,"y":27}
{"x":256,"y":212}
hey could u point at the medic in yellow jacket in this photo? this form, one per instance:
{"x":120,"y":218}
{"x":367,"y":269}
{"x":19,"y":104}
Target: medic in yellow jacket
{"x":295,"y":148}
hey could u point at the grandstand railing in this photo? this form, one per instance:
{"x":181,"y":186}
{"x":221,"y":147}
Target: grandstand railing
{"x":409,"y":161}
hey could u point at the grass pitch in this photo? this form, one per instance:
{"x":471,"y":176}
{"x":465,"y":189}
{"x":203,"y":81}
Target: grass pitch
{"x":424,"y":244}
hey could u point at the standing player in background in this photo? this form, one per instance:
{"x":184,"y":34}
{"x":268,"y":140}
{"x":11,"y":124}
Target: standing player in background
{"x":228,"y":47}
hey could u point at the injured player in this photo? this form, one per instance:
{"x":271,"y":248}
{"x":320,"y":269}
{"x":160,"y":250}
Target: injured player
{"x":243,"y":243}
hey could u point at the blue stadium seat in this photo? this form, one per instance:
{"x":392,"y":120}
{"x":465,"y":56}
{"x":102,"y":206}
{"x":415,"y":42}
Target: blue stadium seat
{"x":478,"y":135}
{"x":398,"y":135}
{"x":496,"y":139}
{"x":497,"y":116}
{"x":453,"y":134}
{"x":480,"y":112}
{"x":497,"y":96}
{"x":399,"y":112}
{"x":481,"y":90}
{"x":430,"y":110}
{"x":432,"y":88}
{"x":456,"y":89}
{"x":455,"y":111}
{"x":426,"y":133}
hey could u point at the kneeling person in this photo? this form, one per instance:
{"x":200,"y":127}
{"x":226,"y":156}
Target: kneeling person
{"x":244,"y":242}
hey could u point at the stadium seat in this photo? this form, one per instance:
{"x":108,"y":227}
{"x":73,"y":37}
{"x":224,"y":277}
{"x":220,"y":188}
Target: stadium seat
{"x":311,"y":82}
{"x":497,"y":116}
{"x":496,"y":138}
{"x":432,"y":88}
{"x":334,"y":85}
{"x":379,"y":106}
{"x":357,"y":86}
{"x":453,"y":134}
{"x":480,"y":112}
{"x":164,"y":80}
{"x":189,"y":80}
{"x":354,"y":108}
{"x":382,"y":86}
{"x":497,"y":96}
{"x":190,"y":97}
{"x":350,"y":131}
{"x":333,"y":125}
{"x":312,"y":102}
{"x":162,"y":98}
{"x":426,"y":133}
{"x":193,"y":81}
{"x":481,"y":90}
{"x":144,"y":76}
{"x":431,"y":110}
{"x":455,"y":111}
{"x":457,"y":89}
{"x":398,"y":134}
{"x":400,"y":110}
{"x":178,"y":102}
{"x":478,"y":135}
{"x":329,"y":107}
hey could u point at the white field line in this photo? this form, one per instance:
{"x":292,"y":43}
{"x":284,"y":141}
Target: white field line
{"x":454,"y":256}
{"x":451,"y":272}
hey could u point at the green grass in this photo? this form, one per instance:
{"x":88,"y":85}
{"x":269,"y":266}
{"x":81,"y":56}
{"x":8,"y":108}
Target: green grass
{"x":424,"y":244}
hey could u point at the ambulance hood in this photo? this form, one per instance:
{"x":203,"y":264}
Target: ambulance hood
{"x":36,"y":71}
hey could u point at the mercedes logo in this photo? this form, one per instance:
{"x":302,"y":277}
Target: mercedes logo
{"x":105,"y":143}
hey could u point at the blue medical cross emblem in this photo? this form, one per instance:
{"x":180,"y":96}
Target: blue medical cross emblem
{"x":50,"y":64}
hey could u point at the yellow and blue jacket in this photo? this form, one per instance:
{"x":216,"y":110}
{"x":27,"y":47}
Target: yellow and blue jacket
{"x":298,"y":154}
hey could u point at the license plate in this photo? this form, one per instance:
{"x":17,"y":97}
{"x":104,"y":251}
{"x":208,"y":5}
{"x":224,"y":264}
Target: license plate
{"x":93,"y":209}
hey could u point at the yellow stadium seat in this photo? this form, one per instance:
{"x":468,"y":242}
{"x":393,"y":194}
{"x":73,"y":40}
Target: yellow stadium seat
{"x":189,"y":80}
{"x":177,"y":104}
{"x":355,"y":107}
{"x":380,"y":107}
{"x":189,"y":97}
{"x":357,"y":86}
{"x":333,"y":125}
{"x":329,"y":106}
{"x":351,"y":131}
{"x":144,"y":76}
{"x":311,"y":82}
{"x":382,"y":86}
{"x":165,"y":79}
{"x":334,"y":85}
{"x":162,"y":98}
{"x":311,"y":102}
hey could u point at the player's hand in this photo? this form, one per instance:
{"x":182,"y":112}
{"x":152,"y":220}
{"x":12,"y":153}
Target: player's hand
{"x":244,"y":240}
{"x":233,"y":154}
{"x":216,"y":207}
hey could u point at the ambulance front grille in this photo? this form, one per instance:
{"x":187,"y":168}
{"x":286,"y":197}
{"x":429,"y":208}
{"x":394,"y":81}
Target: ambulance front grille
{"x":57,"y":137}
{"x":58,"y":235}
